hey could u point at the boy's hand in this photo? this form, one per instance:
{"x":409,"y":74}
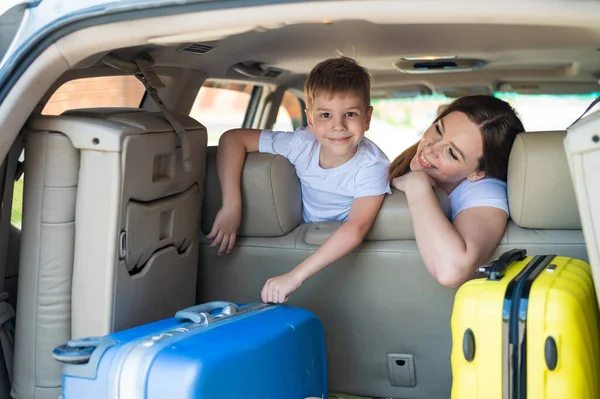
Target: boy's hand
{"x":225,"y":229}
{"x":278,"y":289}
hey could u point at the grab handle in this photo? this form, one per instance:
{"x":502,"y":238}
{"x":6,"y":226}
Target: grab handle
{"x":496,"y":269}
{"x":201,"y":314}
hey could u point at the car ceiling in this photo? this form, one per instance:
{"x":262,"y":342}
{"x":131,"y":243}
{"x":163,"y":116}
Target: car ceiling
{"x":568,"y":56}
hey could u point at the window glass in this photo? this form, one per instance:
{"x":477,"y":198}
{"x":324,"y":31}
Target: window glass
{"x":289,"y":116}
{"x":16,"y":216}
{"x":221,"y":106}
{"x":398,"y":123}
{"x":104,"y":91}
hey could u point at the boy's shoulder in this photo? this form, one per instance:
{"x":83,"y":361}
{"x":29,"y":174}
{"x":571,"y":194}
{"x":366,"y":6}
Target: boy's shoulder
{"x":371,"y":163}
{"x":304,"y":133}
{"x":371,"y":153}
{"x":301,"y":133}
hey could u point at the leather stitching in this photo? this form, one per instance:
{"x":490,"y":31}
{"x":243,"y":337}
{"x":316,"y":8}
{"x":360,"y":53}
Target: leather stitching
{"x":270,"y":169}
{"x":524,"y":180}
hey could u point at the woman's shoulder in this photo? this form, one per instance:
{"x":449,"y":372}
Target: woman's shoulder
{"x":486,"y":185}
{"x":484,"y":192}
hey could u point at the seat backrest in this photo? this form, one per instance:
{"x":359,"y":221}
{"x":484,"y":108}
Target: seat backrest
{"x":541,"y":198}
{"x":540,"y":189}
{"x":379,"y":300}
{"x":109,"y":232}
{"x":272,"y":205}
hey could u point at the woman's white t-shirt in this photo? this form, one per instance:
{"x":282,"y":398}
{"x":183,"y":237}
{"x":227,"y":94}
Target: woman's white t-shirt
{"x":484,"y":192}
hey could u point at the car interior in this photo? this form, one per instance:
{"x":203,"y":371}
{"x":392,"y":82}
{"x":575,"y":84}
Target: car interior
{"x":111,"y":226}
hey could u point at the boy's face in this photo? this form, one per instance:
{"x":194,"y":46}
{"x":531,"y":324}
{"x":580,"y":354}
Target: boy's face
{"x":339,"y":122}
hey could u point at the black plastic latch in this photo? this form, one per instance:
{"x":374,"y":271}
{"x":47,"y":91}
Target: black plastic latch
{"x":469,"y":345}
{"x":551,"y":353}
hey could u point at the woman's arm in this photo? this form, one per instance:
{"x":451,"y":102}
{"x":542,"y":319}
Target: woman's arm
{"x":451,"y":251}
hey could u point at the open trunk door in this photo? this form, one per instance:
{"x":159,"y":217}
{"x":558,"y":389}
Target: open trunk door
{"x":582,"y":145}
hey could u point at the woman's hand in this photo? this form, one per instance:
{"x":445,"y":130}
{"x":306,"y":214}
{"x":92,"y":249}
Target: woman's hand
{"x":417,"y":179}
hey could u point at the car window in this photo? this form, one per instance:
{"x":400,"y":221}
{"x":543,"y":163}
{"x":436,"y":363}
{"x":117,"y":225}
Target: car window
{"x":548,"y":112}
{"x":290,"y":115}
{"x":104,"y":91}
{"x":398,"y":123}
{"x":16,"y":216}
{"x":220,"y":106}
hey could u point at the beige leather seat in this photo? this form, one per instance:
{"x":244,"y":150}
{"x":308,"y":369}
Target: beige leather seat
{"x":109,"y":228}
{"x":380,"y":299}
{"x":541,"y":198}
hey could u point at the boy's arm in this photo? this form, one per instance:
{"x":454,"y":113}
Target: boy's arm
{"x":347,"y":237}
{"x":231,"y":153}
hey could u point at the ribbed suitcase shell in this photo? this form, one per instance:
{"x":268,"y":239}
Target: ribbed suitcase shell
{"x":273,"y":352}
{"x":562,"y":319}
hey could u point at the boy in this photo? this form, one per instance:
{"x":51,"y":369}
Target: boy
{"x":343,"y":175}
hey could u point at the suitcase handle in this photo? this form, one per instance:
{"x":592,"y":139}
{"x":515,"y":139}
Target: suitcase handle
{"x":201,"y":314}
{"x":496,"y":269}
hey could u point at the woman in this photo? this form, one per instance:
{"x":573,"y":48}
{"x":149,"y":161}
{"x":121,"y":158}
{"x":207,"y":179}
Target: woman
{"x":464,"y":152}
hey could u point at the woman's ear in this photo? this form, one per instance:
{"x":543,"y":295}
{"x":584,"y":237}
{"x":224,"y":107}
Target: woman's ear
{"x":476,"y":176}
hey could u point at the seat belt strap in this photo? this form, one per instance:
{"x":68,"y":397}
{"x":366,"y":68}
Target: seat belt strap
{"x":152,"y":83}
{"x":592,"y":105}
{"x":143,"y":71}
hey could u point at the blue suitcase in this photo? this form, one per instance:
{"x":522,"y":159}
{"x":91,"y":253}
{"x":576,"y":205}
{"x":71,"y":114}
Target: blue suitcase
{"x":215,"y":350}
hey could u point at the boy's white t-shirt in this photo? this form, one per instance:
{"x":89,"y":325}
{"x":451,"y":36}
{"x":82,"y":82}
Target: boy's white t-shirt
{"x":484,"y":192}
{"x":327,"y":194}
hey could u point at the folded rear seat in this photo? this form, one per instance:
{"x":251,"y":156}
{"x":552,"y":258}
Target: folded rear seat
{"x":109,"y":231}
{"x":359,"y":295}
{"x":380,"y":299}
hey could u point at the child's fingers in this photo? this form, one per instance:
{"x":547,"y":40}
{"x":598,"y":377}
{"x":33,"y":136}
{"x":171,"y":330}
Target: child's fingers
{"x":231,"y":242}
{"x":224,"y":244}
{"x":270,"y":296}
{"x":217,"y":240}
{"x":213,"y":232}
{"x":281,"y":296}
{"x":265,"y":291}
{"x":263,"y":294}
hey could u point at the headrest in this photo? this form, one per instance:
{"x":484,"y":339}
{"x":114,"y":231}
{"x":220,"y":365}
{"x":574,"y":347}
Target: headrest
{"x":540,"y":189}
{"x":150,"y":121}
{"x":271,"y":195}
{"x":272,"y":205}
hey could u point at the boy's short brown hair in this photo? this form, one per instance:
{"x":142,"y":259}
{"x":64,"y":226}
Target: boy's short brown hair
{"x":340,"y":75}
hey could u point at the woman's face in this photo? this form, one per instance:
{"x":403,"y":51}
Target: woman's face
{"x":450,"y":150}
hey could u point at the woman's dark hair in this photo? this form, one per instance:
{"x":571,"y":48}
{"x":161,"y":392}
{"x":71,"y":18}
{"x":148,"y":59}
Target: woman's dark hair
{"x":498,"y":123}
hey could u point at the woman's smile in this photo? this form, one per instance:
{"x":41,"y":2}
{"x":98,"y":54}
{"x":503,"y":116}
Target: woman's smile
{"x":424,"y":162}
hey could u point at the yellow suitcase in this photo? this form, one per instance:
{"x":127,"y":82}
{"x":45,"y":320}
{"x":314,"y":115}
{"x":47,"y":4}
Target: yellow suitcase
{"x":529,"y":328}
